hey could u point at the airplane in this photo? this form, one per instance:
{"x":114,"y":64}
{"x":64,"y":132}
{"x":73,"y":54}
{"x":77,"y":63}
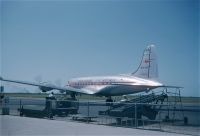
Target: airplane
{"x":144,"y":79}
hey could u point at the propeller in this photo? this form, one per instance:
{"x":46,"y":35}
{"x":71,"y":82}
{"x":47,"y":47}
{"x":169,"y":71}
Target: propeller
{"x":42,"y":88}
{"x":48,"y":89}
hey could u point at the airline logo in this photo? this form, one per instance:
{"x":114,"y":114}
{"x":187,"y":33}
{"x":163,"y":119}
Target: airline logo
{"x":147,"y":61}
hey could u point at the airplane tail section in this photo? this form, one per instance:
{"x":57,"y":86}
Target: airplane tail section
{"x":148,"y":67}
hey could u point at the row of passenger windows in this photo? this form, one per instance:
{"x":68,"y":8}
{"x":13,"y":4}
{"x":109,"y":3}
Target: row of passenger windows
{"x":89,"y":83}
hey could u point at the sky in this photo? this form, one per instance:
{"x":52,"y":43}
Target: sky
{"x":58,"y":40}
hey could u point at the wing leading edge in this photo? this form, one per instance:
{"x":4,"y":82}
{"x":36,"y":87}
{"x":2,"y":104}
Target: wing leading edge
{"x":49,"y":86}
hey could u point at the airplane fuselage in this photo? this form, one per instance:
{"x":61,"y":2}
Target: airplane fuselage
{"x":113,"y":85}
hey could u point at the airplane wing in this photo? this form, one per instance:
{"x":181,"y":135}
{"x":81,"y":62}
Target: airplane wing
{"x":48,"y":87}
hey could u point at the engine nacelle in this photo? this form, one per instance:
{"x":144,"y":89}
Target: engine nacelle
{"x":45,"y":89}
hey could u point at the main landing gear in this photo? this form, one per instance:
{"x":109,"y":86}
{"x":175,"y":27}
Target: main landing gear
{"x":73,"y":96}
{"x":109,"y":99}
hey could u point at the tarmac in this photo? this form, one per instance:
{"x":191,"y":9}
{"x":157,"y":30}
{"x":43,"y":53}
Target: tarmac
{"x":23,"y":126}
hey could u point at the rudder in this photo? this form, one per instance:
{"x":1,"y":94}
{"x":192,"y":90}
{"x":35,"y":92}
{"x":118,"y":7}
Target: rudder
{"x":148,"y":67}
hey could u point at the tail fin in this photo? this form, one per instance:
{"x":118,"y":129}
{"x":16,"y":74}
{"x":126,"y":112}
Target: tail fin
{"x":148,"y":67}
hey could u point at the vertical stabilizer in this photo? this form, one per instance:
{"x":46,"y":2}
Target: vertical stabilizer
{"x":148,"y":67}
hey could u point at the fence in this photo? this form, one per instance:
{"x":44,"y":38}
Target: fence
{"x":134,"y":115}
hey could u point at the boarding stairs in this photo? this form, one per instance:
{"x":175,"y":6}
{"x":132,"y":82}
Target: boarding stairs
{"x":140,"y":105}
